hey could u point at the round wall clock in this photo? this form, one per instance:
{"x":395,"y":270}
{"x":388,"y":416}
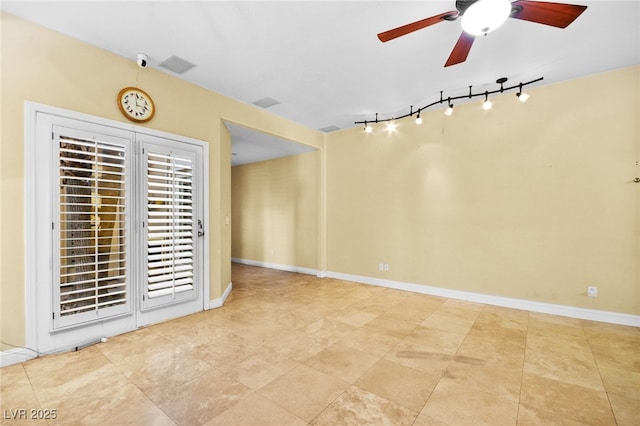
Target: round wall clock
{"x":136,"y":104}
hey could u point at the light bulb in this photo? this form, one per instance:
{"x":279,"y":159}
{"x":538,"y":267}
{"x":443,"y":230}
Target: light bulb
{"x":486,"y":105}
{"x":418,"y":119}
{"x":368,"y":128}
{"x":449,"y":110}
{"x":522,"y":97}
{"x":391,"y":126}
{"x":484,"y":16}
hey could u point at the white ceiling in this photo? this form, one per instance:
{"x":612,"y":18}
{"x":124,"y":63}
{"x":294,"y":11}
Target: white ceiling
{"x":251,"y":146}
{"x":322,"y":60}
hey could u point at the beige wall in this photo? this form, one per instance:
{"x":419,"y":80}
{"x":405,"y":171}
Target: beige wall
{"x":532,"y":201}
{"x":274,"y":207}
{"x":43,"y":66}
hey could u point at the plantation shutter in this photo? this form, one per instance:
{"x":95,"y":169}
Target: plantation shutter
{"x":92,"y":227}
{"x":170,"y":228}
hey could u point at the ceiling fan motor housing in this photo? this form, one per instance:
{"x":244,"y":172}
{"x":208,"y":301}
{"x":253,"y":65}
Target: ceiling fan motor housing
{"x":462,"y":5}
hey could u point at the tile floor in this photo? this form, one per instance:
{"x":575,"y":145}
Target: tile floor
{"x":291,"y":349}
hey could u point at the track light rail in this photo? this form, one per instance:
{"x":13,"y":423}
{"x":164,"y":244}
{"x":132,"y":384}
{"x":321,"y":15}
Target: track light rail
{"x":450,"y":99}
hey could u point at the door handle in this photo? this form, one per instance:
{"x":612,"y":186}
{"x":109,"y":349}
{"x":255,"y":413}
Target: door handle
{"x":200,"y":228}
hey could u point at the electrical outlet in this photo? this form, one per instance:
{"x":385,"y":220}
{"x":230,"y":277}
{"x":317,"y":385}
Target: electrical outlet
{"x":592,"y":291}
{"x":381,"y":267}
{"x":386,"y":267}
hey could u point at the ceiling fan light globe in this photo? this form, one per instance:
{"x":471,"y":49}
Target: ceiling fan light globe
{"x":484,"y":16}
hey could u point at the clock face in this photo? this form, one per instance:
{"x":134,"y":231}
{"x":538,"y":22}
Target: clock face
{"x":136,"y":104}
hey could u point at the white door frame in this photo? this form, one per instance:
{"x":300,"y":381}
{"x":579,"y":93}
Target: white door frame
{"x":37,"y":268}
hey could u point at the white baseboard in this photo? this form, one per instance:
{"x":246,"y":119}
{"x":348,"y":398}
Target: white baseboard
{"x":527,"y":305}
{"x":15,"y":356}
{"x":219,"y":302}
{"x":278,"y":266}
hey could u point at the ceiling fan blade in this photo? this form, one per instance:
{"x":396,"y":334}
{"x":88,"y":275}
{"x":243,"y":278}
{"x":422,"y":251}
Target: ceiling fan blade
{"x":555,"y":14}
{"x":461,"y":49}
{"x":415,"y":26}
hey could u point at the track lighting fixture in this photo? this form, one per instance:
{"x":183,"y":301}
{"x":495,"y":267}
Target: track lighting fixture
{"x":486,"y":105}
{"x":449,"y":102}
{"x":391,"y":126}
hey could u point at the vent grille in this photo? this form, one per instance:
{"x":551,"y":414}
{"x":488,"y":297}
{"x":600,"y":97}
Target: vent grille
{"x":177,"y":65}
{"x":329,"y":129}
{"x":266,"y":102}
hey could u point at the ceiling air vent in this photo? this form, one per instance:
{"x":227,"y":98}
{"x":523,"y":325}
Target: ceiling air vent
{"x":177,"y":65}
{"x":329,"y":129}
{"x":266,"y":102}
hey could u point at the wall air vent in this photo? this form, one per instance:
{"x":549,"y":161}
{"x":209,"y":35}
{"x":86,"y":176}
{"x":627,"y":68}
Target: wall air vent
{"x":329,"y":129}
{"x":266,"y":102}
{"x":177,"y":65}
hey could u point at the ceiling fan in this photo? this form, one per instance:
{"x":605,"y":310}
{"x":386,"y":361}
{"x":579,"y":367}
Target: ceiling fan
{"x":480,"y":17}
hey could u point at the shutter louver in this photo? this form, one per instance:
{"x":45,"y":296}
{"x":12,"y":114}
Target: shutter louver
{"x":92,"y":225}
{"x":170,"y":225}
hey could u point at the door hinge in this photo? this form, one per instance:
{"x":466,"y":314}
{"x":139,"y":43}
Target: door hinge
{"x":53,"y":315}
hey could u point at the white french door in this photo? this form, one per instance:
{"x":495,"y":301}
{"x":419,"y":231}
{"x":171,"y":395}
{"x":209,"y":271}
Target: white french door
{"x":117,"y":240}
{"x":172,"y":228}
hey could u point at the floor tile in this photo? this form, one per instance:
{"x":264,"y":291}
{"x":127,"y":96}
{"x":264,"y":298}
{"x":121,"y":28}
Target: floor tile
{"x":621,"y":382}
{"x":498,"y":381}
{"x":354,"y":317}
{"x":611,"y":357}
{"x":494,"y":348}
{"x":200,"y":400}
{"x":528,"y":416}
{"x":390,"y":327}
{"x":342,"y":362}
{"x":359,"y":407}
{"x":419,"y":357}
{"x":455,"y":404}
{"x":405,"y":386}
{"x":304,"y":391}
{"x":369,"y":340}
{"x":256,"y":410}
{"x":436,"y":340}
{"x":16,"y":395}
{"x":578,"y":369}
{"x":257,"y":370}
{"x":566,"y":400}
{"x":625,"y":410}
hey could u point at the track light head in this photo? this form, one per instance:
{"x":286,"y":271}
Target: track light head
{"x":367,"y":128}
{"x":449,"y":110}
{"x":418,"y":119}
{"x":522,"y":97}
{"x":486,"y":105}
